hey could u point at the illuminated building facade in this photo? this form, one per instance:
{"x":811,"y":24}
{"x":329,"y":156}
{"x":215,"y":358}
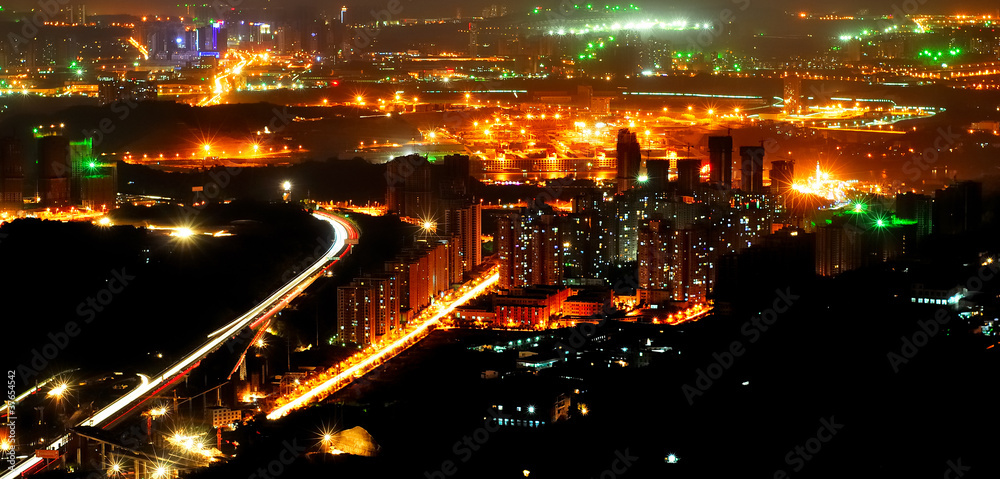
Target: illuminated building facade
{"x":530,"y":248}
{"x":529,"y":307}
{"x":673,"y":263}
{"x":629,"y":159}
{"x":466,"y":225}
{"x":748,"y":219}
{"x":792,"y":93}
{"x":126,"y":90}
{"x":357,"y":308}
{"x":654,"y":255}
{"x":377,"y":303}
{"x":689,"y":264}
{"x":99,"y":186}
{"x":385,"y":296}
{"x":634,"y":206}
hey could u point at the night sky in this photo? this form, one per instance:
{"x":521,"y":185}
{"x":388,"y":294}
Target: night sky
{"x":424,"y":8}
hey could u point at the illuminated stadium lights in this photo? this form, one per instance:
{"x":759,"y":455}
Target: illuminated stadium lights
{"x":823,"y":186}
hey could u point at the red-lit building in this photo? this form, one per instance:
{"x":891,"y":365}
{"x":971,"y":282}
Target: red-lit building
{"x":529,"y":307}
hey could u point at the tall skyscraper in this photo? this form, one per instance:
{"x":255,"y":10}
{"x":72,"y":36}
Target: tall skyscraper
{"x":752,"y":169}
{"x":720,"y":159}
{"x":81,"y":162}
{"x":11,"y":175}
{"x":466,"y":224}
{"x":54,"y":171}
{"x":419,"y":189}
{"x":529,"y":245}
{"x":782,"y":176}
{"x":385,"y":294}
{"x":99,"y":186}
{"x":689,"y":264}
{"x":688,"y":175}
{"x":673,"y":262}
{"x":657,"y":174}
{"x":356,"y":312}
{"x":917,"y":208}
{"x":654,"y":255}
{"x":958,"y":208}
{"x":629,"y":159}
{"x":409,"y":191}
{"x":792,"y":92}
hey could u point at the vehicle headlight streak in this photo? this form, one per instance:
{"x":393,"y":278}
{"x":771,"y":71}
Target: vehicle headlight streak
{"x":376,"y":357}
{"x":148,"y":385}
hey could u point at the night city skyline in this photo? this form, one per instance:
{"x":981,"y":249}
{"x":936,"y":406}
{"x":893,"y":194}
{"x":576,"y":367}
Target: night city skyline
{"x":271,"y":239}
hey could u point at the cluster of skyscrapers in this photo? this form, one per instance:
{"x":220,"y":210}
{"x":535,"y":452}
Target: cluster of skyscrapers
{"x":672,"y":228}
{"x":436,"y":197}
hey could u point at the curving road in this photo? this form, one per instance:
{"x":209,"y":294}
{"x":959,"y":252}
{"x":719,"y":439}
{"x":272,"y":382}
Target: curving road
{"x":345,"y":236}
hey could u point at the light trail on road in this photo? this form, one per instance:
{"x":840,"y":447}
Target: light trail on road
{"x":378,"y":356}
{"x":151,"y":386}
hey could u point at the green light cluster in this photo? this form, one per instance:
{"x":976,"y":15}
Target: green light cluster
{"x":936,"y":55}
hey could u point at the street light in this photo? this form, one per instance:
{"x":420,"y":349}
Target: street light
{"x":182,"y":232}
{"x":58,"y":391}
